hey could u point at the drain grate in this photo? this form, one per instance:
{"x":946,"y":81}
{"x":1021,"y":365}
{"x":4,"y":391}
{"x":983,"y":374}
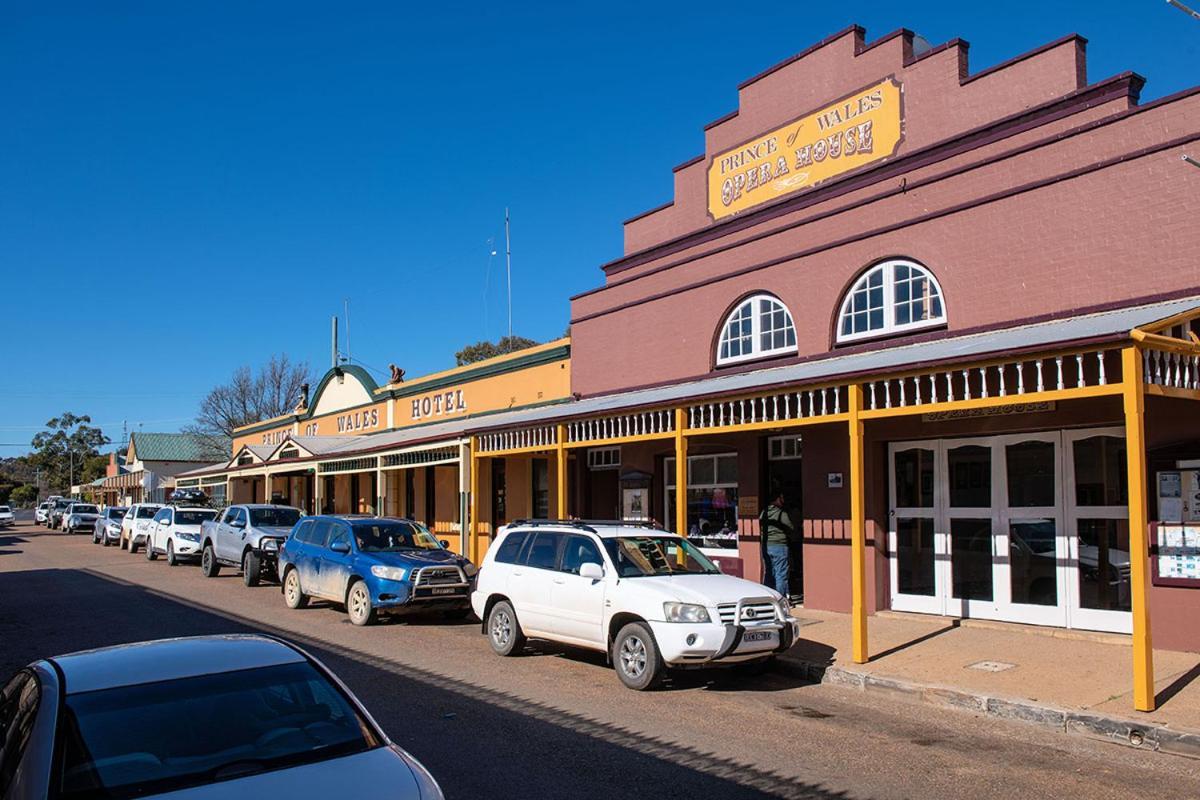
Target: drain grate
{"x":991,"y":666}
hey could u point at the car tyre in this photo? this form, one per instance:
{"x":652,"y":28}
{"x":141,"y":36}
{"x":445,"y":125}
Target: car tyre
{"x":171,"y":559}
{"x":636,"y":659}
{"x":251,"y":569}
{"x":151,"y":554}
{"x":292,"y":595}
{"x":208,"y":562}
{"x":504,"y":632}
{"x":358,"y":604}
{"x":133,"y":545}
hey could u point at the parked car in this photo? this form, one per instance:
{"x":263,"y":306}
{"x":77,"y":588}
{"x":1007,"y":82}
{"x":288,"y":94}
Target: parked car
{"x":202,"y":717}
{"x":80,"y":516}
{"x":49,"y":503}
{"x":107,"y":530}
{"x":42,"y":512}
{"x":55,"y":514}
{"x":247,"y":537}
{"x":648,"y":598}
{"x":135,"y":525}
{"x":6,"y":517}
{"x":373,"y":565}
{"x":175,"y":533}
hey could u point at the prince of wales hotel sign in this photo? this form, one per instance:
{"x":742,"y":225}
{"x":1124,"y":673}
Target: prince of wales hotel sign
{"x":857,"y":130}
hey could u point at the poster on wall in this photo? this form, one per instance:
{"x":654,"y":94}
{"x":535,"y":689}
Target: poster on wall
{"x":1176,"y":559}
{"x":635,"y":504}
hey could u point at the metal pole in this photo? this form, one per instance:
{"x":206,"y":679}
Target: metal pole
{"x":508,"y":269}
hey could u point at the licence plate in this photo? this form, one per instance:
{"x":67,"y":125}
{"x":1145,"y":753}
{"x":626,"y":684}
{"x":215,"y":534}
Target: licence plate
{"x":447,"y":590}
{"x":758,"y":636}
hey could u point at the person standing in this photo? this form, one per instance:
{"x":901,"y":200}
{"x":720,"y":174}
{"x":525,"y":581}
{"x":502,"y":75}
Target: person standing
{"x":776,"y":532}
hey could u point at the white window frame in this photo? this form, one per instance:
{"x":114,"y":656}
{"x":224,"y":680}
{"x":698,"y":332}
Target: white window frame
{"x":600,"y":458}
{"x":890,"y":326}
{"x":778,"y":446}
{"x":756,"y":349}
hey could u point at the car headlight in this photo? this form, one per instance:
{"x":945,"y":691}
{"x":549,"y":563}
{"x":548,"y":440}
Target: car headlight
{"x":270,"y":544}
{"x":470,"y":569}
{"x":189,"y":537}
{"x":785,"y":607}
{"x":387,"y":573}
{"x":685,"y":612}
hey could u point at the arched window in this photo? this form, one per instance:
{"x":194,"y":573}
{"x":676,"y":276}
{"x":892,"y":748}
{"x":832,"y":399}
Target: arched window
{"x":891,"y":297}
{"x":759,"y":326}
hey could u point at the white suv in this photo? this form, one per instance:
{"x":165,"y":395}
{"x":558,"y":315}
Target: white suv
{"x":135,"y":525}
{"x":648,"y":598}
{"x":175,"y":533}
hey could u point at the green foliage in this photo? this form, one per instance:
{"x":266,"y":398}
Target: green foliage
{"x":61,"y":451}
{"x":24,"y":495}
{"x":485,"y":349}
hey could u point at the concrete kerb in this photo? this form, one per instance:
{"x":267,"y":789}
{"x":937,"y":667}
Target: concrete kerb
{"x":1132,"y":733}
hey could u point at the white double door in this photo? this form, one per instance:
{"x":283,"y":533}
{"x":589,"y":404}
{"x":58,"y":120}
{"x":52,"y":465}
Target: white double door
{"x":985,"y":528}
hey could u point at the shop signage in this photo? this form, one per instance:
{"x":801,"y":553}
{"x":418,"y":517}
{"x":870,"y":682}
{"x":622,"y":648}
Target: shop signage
{"x":856,"y":130}
{"x":439,"y":404}
{"x":358,"y":421}
{"x":993,"y":411}
{"x":272,"y":438}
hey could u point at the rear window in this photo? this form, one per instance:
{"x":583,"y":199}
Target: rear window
{"x":193,"y":517}
{"x":117,"y":513}
{"x":274,"y":517}
{"x":199,"y":730}
{"x":80,"y":509}
{"x":146,"y":512}
{"x":510,"y":547}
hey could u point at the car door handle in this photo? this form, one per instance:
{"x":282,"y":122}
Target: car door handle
{"x":559,"y":580}
{"x":517,"y":574}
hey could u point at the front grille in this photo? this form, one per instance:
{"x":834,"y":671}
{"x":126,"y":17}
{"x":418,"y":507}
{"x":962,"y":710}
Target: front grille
{"x":438,"y":576}
{"x":754,"y":609}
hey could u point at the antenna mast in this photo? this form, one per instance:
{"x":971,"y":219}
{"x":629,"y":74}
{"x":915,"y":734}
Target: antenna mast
{"x":333,"y":340}
{"x":508,"y":267}
{"x":346,"y":305}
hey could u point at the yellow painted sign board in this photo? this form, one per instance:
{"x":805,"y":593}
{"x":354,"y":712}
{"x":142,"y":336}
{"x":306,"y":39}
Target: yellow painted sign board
{"x":859,"y":129}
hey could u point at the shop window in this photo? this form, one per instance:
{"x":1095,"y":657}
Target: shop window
{"x":893,"y":297}
{"x":760,"y":326}
{"x":541,"y":488}
{"x":712,"y":498}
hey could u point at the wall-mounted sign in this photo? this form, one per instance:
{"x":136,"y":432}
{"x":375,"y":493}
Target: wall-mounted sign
{"x":439,"y":404}
{"x":992,"y":411}
{"x":856,"y":130}
{"x":358,"y":420}
{"x":834,"y":480}
{"x":272,"y":438}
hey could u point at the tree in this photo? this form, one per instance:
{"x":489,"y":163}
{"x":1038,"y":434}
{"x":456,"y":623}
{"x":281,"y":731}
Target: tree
{"x":60,"y":452}
{"x":24,"y":495}
{"x":250,"y":397}
{"x":485,"y":349}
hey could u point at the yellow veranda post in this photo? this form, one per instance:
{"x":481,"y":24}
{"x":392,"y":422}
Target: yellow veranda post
{"x":681,"y":480}
{"x":1139,"y":556}
{"x":560,"y":471}
{"x":472,"y":526}
{"x":858,"y":530}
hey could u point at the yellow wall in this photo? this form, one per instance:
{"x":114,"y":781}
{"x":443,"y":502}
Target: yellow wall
{"x":496,"y":393}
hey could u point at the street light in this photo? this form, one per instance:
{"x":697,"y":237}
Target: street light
{"x":1184,"y":9}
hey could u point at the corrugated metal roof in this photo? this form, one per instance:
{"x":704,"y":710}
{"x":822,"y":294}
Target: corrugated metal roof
{"x":950,"y":348}
{"x":172,"y":447}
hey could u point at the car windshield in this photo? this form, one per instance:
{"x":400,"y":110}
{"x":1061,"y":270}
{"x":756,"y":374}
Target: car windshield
{"x":146,"y":512}
{"x":193,"y":517}
{"x":638,"y":556}
{"x":388,"y":537}
{"x":159,"y":737}
{"x":78,"y":509}
{"x":117,"y":513}
{"x":5,"y":510}
{"x":274,"y":517}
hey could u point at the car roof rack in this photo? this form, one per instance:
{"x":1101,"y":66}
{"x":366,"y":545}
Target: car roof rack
{"x":587,"y":524}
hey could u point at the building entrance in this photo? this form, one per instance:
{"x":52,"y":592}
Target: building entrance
{"x":1025,"y":528}
{"x":783,"y":477}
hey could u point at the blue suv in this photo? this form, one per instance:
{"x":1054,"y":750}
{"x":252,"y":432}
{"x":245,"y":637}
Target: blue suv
{"x":374,"y":565}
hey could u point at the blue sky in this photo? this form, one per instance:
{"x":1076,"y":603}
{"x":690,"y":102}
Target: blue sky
{"x":185,"y":188}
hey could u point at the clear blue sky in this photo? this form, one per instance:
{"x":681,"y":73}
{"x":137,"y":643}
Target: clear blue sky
{"x":188,"y":187}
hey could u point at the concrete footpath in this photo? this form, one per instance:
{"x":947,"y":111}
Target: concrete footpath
{"x":1077,"y":682}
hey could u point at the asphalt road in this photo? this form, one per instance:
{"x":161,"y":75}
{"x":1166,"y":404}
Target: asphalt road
{"x":554,"y":723}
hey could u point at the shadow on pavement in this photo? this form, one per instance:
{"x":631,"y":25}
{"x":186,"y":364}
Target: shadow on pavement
{"x":479,"y":742}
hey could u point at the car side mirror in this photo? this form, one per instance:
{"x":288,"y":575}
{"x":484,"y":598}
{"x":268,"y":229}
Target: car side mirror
{"x":444,"y":543}
{"x":238,"y":523}
{"x":592,"y":571}
{"x":340,"y":547}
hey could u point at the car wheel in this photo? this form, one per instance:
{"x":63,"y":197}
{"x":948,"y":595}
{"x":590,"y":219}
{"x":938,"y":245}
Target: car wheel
{"x":105,"y":541}
{"x":122,"y":541}
{"x":504,"y":632}
{"x":171,"y":559}
{"x":151,"y":553}
{"x":133,"y":545}
{"x":358,"y":604}
{"x":208,"y":562}
{"x":291,"y":590}
{"x":251,"y":569}
{"x":636,"y":658}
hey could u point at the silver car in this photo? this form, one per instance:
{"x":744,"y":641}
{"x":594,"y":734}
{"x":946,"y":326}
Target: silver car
{"x":200,"y":717}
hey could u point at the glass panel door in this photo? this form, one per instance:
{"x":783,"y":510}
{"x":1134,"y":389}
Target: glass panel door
{"x":1031,"y":546}
{"x":913,"y":542}
{"x":970,"y":519}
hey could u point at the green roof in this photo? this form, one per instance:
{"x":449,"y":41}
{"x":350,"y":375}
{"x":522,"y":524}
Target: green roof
{"x":174,"y":447}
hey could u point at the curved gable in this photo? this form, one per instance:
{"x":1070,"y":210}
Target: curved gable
{"x":342,"y":387}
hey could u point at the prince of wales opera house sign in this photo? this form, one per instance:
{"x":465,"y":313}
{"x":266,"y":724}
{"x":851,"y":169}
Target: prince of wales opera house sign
{"x":857,"y":130}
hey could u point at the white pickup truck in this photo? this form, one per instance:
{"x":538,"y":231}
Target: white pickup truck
{"x":648,"y":598}
{"x":247,"y":537}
